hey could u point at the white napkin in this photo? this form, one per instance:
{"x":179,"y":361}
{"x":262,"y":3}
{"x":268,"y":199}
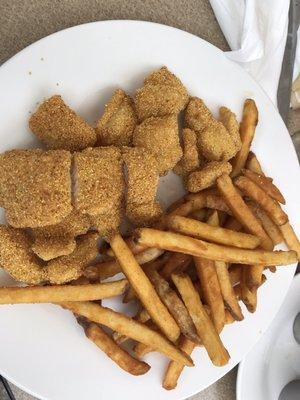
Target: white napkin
{"x":256,"y":31}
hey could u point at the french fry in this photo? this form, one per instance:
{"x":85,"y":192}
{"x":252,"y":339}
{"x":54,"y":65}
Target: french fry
{"x":175,"y":305}
{"x":144,"y":290}
{"x":229,"y":319}
{"x":269,"y":226}
{"x":141,"y":349}
{"x":247,"y":131}
{"x":213,"y":234}
{"x":174,"y":369}
{"x":176,"y":262}
{"x":252,"y":190}
{"x":131,"y":244}
{"x":212,"y":200}
{"x":248,"y":296}
{"x":199,"y":248}
{"x":253,"y":276}
{"x":233,"y":224}
{"x":142,"y":317}
{"x":205,"y":328}
{"x":253,"y":164}
{"x":128,"y":327}
{"x":235,"y":274}
{"x":241,"y":211}
{"x":199,"y":215}
{"x":265,"y":184}
{"x":107,"y":269}
{"x":58,"y":293}
{"x":290,"y":238}
{"x":101,"y":339}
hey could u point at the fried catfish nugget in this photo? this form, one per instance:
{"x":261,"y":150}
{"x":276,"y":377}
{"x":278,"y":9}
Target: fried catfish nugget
{"x":59,"y":127}
{"x":162,"y":94}
{"x":117,"y":124}
{"x":190,"y":160}
{"x":59,"y":240}
{"x":207,"y":176}
{"x":35,"y":187}
{"x":159,"y":135}
{"x":142,"y":177}
{"x":228,"y":119}
{"x":214,"y":141}
{"x":100,"y":186}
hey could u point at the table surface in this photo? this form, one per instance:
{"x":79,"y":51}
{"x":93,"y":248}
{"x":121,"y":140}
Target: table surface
{"x":24,"y":22}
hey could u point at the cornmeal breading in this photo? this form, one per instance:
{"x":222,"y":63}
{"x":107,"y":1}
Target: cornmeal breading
{"x":142,"y":181}
{"x":228,"y":119}
{"x":159,"y":135}
{"x":207,"y":176}
{"x":59,"y":240}
{"x":190,"y":159}
{"x":35,"y":187}
{"x":162,"y":94}
{"x":117,"y":124}
{"x":107,"y":224}
{"x":59,"y":127}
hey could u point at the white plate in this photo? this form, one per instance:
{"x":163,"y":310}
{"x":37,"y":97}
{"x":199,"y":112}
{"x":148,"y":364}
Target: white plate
{"x":42,"y":348}
{"x":275,"y":360}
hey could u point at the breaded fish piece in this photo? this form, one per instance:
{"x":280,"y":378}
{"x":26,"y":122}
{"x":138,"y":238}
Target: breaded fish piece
{"x":17,"y":258}
{"x":207,"y":176}
{"x":142,"y":181}
{"x":35,"y":187}
{"x":228,"y":119}
{"x":107,"y":224}
{"x":59,"y":127}
{"x":159,"y":135}
{"x":67,"y":268}
{"x":59,"y":240}
{"x":118,"y":122}
{"x":190,"y":160}
{"x":214,"y":141}
{"x":162,"y":94}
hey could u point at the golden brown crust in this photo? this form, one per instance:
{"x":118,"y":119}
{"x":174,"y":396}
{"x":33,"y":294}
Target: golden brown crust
{"x":160,"y":137}
{"x":35,"y":187}
{"x":59,"y":127}
{"x":118,"y":121}
{"x":190,"y":159}
{"x":207,"y":176}
{"x":228,"y":119}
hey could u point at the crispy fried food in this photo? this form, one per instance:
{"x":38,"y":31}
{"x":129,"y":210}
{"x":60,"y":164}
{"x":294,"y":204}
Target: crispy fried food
{"x":235,"y":273}
{"x":228,"y":119}
{"x":241,"y":211}
{"x":35,"y":187}
{"x":233,"y":224}
{"x":253,"y":164}
{"x":128,"y":327}
{"x":162,"y":94}
{"x":59,"y":127}
{"x":269,"y":205}
{"x":253,"y":276}
{"x":213,"y":234}
{"x":144,"y":290}
{"x":199,"y":248}
{"x":290,"y":238}
{"x":207,"y":176}
{"x":190,"y":158}
{"x":135,"y":248}
{"x":70,"y":267}
{"x":118,"y":121}
{"x":174,"y":304}
{"x":266,"y":184}
{"x":174,"y":369}
{"x":248,"y":296}
{"x":59,"y":240}
{"x":107,"y":269}
{"x":121,"y":357}
{"x":197,"y":116}
{"x":247,"y":131}
{"x":58,"y":293}
{"x":177,"y":262}
{"x":17,"y":258}
{"x":159,"y":135}
{"x":205,"y":328}
{"x":142,"y":181}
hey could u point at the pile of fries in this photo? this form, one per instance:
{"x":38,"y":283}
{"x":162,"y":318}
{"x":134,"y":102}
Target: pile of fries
{"x":189,"y":273}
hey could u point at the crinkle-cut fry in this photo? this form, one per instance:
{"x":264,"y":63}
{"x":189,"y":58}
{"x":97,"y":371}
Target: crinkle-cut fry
{"x":267,"y":203}
{"x":290,"y":238}
{"x":210,"y":233}
{"x":175,"y":369}
{"x":102,"y":340}
{"x":175,"y":305}
{"x":253,"y":164}
{"x":269,"y":226}
{"x":253,"y":276}
{"x":241,"y":211}
{"x":248,"y":296}
{"x":129,"y":327}
{"x":199,"y":248}
{"x":107,"y":269}
{"x":59,"y":293}
{"x":176,"y":262}
{"x":264,"y":183}
{"x":247,"y":131}
{"x":205,"y":328}
{"x":235,"y":274}
{"x":144,"y":290}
